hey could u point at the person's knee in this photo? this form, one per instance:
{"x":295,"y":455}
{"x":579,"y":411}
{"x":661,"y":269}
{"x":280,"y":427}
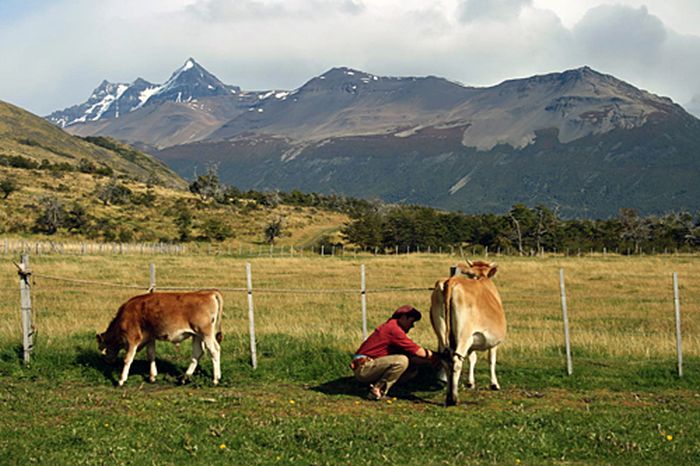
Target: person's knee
{"x":401,"y":362}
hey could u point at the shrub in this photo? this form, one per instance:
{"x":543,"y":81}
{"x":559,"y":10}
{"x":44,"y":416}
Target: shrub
{"x":216,"y":229}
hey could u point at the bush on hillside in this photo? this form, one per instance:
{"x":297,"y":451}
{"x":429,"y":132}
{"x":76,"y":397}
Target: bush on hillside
{"x":215,"y":229}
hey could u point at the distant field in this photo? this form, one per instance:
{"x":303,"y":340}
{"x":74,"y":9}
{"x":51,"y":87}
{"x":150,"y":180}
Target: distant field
{"x":624,"y":402}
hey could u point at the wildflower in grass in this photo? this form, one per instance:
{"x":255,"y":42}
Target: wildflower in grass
{"x":669,"y":437}
{"x":106,"y":424}
{"x":517,"y":460}
{"x":222,"y":446}
{"x":291,"y":402}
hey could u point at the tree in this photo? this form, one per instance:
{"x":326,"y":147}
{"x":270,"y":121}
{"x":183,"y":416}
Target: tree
{"x":523,"y":221}
{"x":113,"y":192}
{"x":7,"y":187}
{"x":184,"y":222}
{"x":216,"y":229}
{"x":208,"y":186}
{"x":77,"y":218}
{"x":547,"y":224}
{"x":365,"y":230}
{"x":52,"y":216}
{"x":273,"y":230}
{"x":633,"y":228}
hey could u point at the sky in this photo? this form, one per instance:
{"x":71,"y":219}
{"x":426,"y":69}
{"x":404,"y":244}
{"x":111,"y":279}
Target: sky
{"x":55,"y":52}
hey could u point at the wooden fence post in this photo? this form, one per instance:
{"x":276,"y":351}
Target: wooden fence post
{"x":569,"y":365}
{"x":677,"y":305}
{"x":363,"y":297}
{"x":26,"y":308}
{"x":251,"y":317}
{"x":152,"y":285}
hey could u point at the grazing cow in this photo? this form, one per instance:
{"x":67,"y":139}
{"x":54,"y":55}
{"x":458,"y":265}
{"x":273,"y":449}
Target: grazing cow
{"x":467,"y":316}
{"x":165,"y":316}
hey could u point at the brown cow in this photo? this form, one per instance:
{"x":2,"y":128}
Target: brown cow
{"x":467,"y":316}
{"x":173,"y":317}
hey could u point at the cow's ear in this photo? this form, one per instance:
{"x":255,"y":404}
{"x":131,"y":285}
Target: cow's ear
{"x":493,"y":270}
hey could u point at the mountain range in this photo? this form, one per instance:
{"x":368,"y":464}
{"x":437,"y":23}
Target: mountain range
{"x":580,"y":141}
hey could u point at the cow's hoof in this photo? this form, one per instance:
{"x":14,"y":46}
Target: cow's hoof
{"x":216,"y":382}
{"x":152,"y":379}
{"x":470,"y":386}
{"x":450,"y":402}
{"x":495,"y":387}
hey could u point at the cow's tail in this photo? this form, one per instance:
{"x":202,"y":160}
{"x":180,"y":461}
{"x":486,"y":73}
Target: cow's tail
{"x":219,"y":314}
{"x":447,"y":299}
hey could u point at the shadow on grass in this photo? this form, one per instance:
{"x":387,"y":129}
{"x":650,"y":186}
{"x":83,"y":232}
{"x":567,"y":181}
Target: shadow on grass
{"x":139,"y":368}
{"x":424,"y":381}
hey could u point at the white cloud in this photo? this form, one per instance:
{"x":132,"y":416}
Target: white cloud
{"x":491,"y":10}
{"x":55,"y":55}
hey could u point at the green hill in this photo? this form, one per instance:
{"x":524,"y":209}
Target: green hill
{"x":29,"y":141}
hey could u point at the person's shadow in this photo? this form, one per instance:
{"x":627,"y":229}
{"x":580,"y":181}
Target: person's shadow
{"x":424,"y":381}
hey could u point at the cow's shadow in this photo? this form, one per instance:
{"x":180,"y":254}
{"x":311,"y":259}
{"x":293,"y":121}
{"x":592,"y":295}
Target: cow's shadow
{"x":140,"y":368}
{"x":424,"y":381}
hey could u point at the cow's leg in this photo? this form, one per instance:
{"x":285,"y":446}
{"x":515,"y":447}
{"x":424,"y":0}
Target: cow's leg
{"x":492,"y":364}
{"x":453,"y":380}
{"x":215,"y":352}
{"x":151,"y":349}
{"x":456,"y":371}
{"x":472,"y":364}
{"x":128,"y":359}
{"x":196,"y":354}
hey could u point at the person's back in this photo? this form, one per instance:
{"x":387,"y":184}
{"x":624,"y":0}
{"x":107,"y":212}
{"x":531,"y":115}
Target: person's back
{"x":385,"y":355}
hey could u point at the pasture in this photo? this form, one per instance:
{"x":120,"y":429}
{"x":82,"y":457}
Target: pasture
{"x":624,"y":402}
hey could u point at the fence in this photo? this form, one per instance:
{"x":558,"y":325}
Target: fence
{"x":26,"y":276}
{"x":14,"y":247}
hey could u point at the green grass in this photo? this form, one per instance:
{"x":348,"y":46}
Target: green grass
{"x":302,"y":406}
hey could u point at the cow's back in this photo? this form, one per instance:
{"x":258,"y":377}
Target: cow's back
{"x":476,"y":306}
{"x":167,"y":315}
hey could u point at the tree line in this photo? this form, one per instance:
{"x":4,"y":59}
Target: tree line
{"x":522,"y":230}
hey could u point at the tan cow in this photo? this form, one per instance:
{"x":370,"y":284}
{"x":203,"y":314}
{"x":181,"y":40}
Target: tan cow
{"x":467,"y":316}
{"x":173,"y":317}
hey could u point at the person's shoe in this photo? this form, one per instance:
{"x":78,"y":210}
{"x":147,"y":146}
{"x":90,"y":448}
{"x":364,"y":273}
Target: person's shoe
{"x":375,"y":393}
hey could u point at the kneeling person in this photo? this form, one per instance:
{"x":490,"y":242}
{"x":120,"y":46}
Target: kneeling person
{"x":385,"y":355}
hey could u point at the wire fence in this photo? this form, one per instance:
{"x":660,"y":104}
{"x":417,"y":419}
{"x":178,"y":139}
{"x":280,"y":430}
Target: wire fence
{"x":535,"y":314}
{"x":241,"y":250}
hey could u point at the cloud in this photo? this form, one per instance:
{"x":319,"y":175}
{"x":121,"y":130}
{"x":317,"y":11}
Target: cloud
{"x":56,"y":52}
{"x":614,"y":34}
{"x":490,"y":10}
{"x":260,"y":10}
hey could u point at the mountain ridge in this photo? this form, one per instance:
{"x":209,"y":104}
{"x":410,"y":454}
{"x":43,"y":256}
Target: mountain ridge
{"x":580,"y":139}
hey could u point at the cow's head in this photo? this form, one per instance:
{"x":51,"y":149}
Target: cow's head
{"x":108,"y":347}
{"x":478,"y":269}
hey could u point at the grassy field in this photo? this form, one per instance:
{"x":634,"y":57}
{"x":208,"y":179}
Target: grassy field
{"x":623,"y":404}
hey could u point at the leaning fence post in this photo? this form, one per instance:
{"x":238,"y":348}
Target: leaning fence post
{"x":677,"y":305}
{"x":152,"y":270}
{"x":363,"y":295}
{"x":569,"y":366}
{"x":26,"y":308}
{"x":251,"y":317}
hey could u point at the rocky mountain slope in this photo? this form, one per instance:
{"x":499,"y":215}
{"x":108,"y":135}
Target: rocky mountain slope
{"x":583,"y":141}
